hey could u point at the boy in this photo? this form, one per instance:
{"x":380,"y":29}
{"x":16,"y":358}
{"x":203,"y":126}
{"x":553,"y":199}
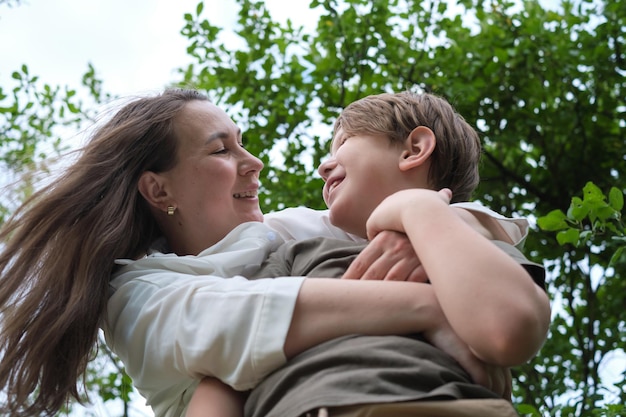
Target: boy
{"x":389,"y":153}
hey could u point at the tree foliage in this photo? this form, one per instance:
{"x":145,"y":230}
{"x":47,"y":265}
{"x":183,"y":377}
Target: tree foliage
{"x":35,"y":118}
{"x":543,"y":84}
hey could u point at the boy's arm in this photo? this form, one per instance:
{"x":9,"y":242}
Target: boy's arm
{"x":213,"y":398}
{"x":489,"y":299}
{"x":390,"y":248}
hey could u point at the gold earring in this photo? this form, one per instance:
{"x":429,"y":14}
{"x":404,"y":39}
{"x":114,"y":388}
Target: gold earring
{"x":170,"y":210}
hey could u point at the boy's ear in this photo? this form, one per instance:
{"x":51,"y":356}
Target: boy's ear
{"x":152,"y":187}
{"x":419,"y":145}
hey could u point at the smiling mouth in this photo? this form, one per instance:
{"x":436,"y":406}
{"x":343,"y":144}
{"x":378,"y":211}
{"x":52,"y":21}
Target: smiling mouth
{"x":246,"y":194}
{"x":334,"y":184}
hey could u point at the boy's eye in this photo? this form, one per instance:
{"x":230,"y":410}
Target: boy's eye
{"x":342,"y":140}
{"x":336,"y":144}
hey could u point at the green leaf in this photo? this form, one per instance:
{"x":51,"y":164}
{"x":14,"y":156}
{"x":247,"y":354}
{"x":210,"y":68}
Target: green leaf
{"x":72,"y":107}
{"x":568,"y":236}
{"x":616,"y":256}
{"x":592,"y":192}
{"x":578,"y":209}
{"x":616,"y":199}
{"x":553,"y":221}
{"x":527,"y":409}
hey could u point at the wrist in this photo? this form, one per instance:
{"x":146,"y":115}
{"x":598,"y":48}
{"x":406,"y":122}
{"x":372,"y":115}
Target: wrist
{"x":420,"y":206}
{"x":430,"y":315}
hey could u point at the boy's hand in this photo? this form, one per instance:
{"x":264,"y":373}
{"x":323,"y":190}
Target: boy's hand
{"x":389,"y":256}
{"x":388,"y":214}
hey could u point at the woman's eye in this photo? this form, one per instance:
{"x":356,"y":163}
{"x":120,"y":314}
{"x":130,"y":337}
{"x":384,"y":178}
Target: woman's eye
{"x":221,"y":151}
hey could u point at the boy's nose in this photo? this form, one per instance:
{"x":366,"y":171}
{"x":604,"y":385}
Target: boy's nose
{"x":327,"y":167}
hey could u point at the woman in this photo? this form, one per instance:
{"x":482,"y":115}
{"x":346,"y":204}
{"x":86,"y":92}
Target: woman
{"x":61,"y":245}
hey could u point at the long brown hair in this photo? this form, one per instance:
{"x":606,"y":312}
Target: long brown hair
{"x":59,"y":251}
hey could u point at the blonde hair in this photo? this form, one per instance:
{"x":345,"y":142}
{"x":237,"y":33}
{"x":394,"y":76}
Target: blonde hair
{"x":455,"y":160}
{"x":59,"y":251}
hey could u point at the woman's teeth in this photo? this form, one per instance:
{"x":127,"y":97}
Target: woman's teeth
{"x":245,"y":195}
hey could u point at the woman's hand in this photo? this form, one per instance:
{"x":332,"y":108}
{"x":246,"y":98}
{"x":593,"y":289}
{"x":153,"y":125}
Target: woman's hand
{"x":389,"y":256}
{"x":492,"y":377}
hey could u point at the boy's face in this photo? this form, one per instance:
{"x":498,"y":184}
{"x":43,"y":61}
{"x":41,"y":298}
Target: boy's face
{"x":362,"y":170}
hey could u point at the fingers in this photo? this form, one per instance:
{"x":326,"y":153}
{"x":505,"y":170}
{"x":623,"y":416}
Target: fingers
{"x":382,"y":267}
{"x":418,"y":275}
{"x":362,"y":263}
{"x":446,"y":193}
{"x":508,"y":387}
{"x":495,"y":378}
{"x":389,"y":256}
{"x":478,"y":372}
{"x":370,"y":262}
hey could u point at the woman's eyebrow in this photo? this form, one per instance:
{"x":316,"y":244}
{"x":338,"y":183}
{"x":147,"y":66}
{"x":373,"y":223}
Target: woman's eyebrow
{"x":222,"y":135}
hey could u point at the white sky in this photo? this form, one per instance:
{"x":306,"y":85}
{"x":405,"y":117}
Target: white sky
{"x":134,"y":45}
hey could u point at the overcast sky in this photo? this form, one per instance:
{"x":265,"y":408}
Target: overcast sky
{"x":134,"y":45}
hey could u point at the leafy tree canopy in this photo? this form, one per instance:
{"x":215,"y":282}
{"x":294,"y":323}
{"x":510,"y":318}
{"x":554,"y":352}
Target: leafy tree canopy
{"x":545,"y":87}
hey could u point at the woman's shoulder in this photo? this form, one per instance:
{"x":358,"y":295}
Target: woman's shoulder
{"x":298,"y":223}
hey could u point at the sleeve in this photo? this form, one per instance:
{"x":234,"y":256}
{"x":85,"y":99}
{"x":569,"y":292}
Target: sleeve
{"x":299,"y":223}
{"x":536,"y":271}
{"x":516,"y":228}
{"x":169,"y":328}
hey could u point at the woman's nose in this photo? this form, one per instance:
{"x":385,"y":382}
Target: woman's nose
{"x":251,"y":163}
{"x":327,"y":167}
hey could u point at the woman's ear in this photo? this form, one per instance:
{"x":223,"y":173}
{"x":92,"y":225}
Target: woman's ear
{"x":419,"y":145}
{"x":152,"y":187}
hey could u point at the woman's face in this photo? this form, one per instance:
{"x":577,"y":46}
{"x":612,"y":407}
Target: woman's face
{"x":214,"y":184}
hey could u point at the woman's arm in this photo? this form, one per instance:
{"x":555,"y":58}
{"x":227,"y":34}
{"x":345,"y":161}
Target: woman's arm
{"x":213,"y":398}
{"x":488,"y":298}
{"x":327,"y":308}
{"x":239,"y":330}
